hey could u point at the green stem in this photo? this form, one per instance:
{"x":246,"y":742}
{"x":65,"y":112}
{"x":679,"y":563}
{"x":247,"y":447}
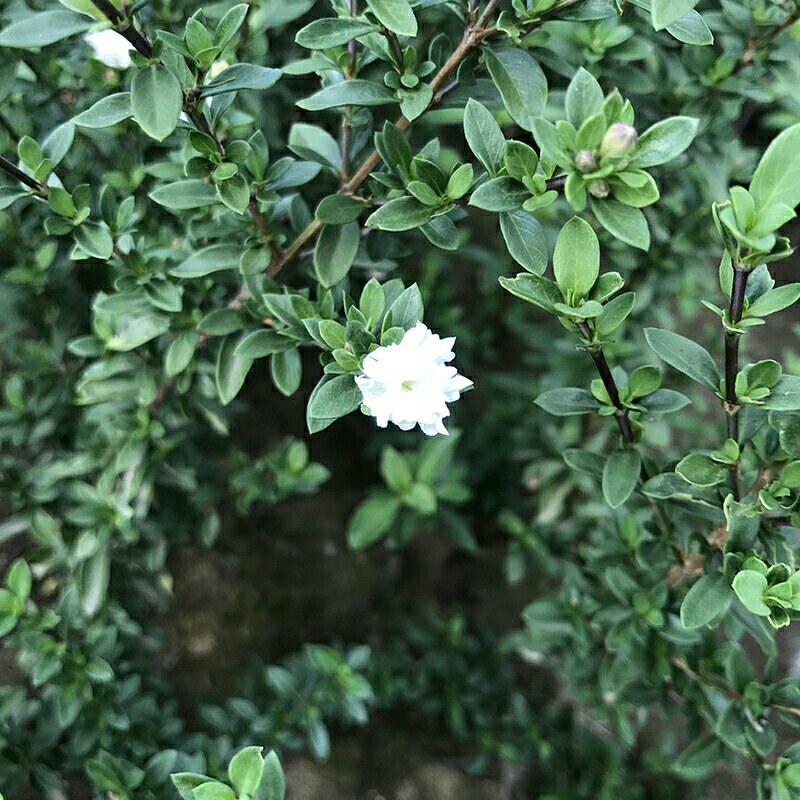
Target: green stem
{"x":732,"y":341}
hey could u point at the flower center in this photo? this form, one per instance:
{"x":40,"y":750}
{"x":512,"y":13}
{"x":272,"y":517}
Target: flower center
{"x":407,"y":386}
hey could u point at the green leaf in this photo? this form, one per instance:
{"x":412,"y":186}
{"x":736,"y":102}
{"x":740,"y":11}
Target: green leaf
{"x":396,"y":15}
{"x":231,"y":370}
{"x":180,"y":353}
{"x":784,"y":395}
{"x":335,"y":252}
{"x":337,"y":209}
{"x":750,"y":586}
{"x":273,"y":784}
{"x":210,"y":259}
{"x":8,"y":196}
{"x":348,"y":93}
{"x":684,"y":355}
{"x":187,"y":782}
{"x":499,"y":194}
{"x":94,"y":581}
{"x":407,"y":309}
{"x":19,"y":579}
{"x":483,"y":135}
{"x":213,"y":790}
{"x":332,"y":399}
{"x":95,"y":239}
{"x":395,"y":470}
{"x":459,"y":182}
{"x":777,"y":176}
{"x":106,"y":112}
{"x":625,"y":223}
{"x":665,"y":140}
{"x":664,"y":401}
{"x":183,"y":195}
{"x":313,"y":143}
{"x":415,"y":103}
{"x":525,"y":240}
{"x":229,"y":25}
{"x":40,"y":30}
{"x":534,"y":289}
{"x":221,"y":322}
{"x":691,"y":28}
{"x":706,"y":602}
{"x":665,"y":12}
{"x":701,"y":470}
{"x":246,"y":769}
{"x":620,"y":476}
{"x":520,"y":81}
{"x":584,"y":97}
{"x":332,"y":32}
{"x":235,"y":193}
{"x":567,"y":401}
{"x":644,"y":380}
{"x":286,"y":371}
{"x":241,"y":76}
{"x":164,"y":295}
{"x":156,"y":101}
{"x":576,"y":260}
{"x":441,"y":232}
{"x":259,"y":344}
{"x":372,"y":519}
{"x":401,"y":214}
{"x":615,"y":312}
{"x":58,"y":142}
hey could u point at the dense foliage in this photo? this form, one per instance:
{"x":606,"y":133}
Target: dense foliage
{"x":223,"y":207}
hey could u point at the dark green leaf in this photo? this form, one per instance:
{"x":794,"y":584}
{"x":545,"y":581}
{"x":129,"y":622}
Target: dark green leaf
{"x":685,"y":355}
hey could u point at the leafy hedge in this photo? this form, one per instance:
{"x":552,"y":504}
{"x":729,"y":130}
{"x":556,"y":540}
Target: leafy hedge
{"x":197,"y":199}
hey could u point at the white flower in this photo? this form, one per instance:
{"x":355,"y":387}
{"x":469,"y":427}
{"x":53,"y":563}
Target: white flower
{"x":409,"y":383}
{"x":217,"y":67}
{"x":111,"y":48}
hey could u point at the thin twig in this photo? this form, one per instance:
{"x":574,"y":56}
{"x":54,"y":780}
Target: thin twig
{"x":752,"y":46}
{"x":599,"y":358}
{"x":394,"y":45}
{"x":346,"y":131}
{"x":718,"y":683}
{"x":472,"y":37}
{"x":15,"y":172}
{"x":732,"y":340}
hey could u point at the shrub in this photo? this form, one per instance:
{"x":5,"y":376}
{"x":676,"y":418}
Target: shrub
{"x":202,"y":201}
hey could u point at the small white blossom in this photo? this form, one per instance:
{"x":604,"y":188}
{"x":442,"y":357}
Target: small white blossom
{"x":217,"y":67}
{"x":111,"y":48}
{"x":410,"y":383}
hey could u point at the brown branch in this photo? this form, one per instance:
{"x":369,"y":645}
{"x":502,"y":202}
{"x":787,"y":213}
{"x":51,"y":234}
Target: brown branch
{"x":125,"y":26}
{"x":472,"y":37}
{"x":717,"y":683}
{"x":15,"y":172}
{"x":749,"y":54}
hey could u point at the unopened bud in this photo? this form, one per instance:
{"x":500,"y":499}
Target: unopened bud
{"x":620,"y":138}
{"x":599,"y":189}
{"x":585,"y":161}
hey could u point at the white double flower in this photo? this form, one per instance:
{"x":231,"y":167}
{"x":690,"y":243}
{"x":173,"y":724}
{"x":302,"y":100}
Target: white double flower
{"x":110,"y":48}
{"x":410,"y":383}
